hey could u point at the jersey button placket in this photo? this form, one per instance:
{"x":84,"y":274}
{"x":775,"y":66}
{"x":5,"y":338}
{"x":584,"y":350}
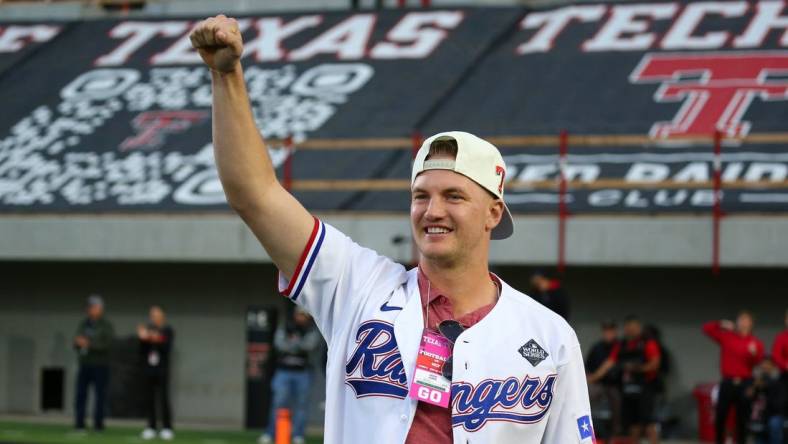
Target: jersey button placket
{"x":458,"y":350}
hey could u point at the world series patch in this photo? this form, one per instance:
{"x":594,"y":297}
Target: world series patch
{"x":533,"y":352}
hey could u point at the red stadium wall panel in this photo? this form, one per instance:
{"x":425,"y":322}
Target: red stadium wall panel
{"x":114,"y":116}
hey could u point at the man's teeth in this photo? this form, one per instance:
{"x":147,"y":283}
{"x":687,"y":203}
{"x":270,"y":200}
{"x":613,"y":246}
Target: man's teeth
{"x":437,"y":230}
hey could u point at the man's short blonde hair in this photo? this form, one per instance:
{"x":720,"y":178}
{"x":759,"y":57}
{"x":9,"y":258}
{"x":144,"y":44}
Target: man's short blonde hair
{"x":445,"y":147}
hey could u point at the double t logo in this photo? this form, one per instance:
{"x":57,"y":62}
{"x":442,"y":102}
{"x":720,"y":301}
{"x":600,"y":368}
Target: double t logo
{"x":716,"y":89}
{"x":153,"y":126}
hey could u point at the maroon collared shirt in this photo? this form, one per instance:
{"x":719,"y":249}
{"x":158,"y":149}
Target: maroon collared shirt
{"x":433,"y":423}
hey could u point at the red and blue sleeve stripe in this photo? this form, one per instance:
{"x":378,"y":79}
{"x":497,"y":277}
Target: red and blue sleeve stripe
{"x":306,"y":261}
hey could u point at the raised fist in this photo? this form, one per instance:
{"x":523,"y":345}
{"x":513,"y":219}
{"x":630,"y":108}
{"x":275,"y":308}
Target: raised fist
{"x":728,"y":325}
{"x":219,"y":42}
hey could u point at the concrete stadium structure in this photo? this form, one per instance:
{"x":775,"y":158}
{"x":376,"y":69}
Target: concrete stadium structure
{"x":207,"y":269}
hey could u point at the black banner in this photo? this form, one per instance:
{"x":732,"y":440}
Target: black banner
{"x":20,"y":40}
{"x":647,"y":85}
{"x":123,"y":124}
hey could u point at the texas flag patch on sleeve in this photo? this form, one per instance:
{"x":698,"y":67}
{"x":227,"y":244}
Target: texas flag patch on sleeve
{"x":585,"y":428}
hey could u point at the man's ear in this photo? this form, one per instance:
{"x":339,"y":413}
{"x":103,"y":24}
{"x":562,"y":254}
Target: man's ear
{"x":495,"y":213}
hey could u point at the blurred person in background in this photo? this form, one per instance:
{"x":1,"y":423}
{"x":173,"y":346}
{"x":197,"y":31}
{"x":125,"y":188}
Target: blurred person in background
{"x":780,"y":355}
{"x":740,"y":352}
{"x":92,"y":342}
{"x":608,"y":388}
{"x":780,"y":358}
{"x":155,"y":345}
{"x":665,"y":417}
{"x":651,"y":331}
{"x":549,"y":293}
{"x":769,"y":397}
{"x":639,"y":358}
{"x":294,"y":345}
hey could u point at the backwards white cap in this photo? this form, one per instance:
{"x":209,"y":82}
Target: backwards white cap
{"x":478,"y":160}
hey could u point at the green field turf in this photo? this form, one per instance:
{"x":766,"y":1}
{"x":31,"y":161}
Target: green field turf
{"x":25,"y":433}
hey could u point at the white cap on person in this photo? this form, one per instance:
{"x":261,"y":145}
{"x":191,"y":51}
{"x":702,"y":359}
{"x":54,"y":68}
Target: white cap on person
{"x":478,"y":160}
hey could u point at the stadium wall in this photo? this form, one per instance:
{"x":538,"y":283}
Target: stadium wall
{"x":667,"y":240}
{"x":206,"y":304}
{"x":156,"y":243}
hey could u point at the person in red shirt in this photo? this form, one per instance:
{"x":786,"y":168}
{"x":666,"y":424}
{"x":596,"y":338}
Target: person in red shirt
{"x":639,"y":358}
{"x":740,"y":351}
{"x":780,"y":357}
{"x":780,"y":348}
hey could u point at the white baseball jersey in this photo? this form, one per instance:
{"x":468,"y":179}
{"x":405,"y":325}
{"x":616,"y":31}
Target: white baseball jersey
{"x":518,"y":373}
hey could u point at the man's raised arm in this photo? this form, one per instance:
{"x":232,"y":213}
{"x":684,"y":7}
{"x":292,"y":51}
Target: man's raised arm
{"x":278,"y":220}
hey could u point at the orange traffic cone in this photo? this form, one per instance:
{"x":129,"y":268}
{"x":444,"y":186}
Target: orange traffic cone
{"x":284,"y":427}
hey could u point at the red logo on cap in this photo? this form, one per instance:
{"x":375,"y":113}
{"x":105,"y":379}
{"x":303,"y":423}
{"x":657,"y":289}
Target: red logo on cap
{"x":500,"y":171}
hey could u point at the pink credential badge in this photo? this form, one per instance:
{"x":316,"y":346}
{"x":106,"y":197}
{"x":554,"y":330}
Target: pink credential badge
{"x":429,"y":385}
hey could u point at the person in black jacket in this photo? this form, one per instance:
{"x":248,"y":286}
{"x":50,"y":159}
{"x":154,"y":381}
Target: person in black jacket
{"x":92,"y":342}
{"x":638,"y":357}
{"x":294,"y":343}
{"x":550,"y":293}
{"x":769,"y":398}
{"x":155,"y":346}
{"x":609,"y":387}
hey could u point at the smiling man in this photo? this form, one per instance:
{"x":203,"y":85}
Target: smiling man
{"x":444,"y":353}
